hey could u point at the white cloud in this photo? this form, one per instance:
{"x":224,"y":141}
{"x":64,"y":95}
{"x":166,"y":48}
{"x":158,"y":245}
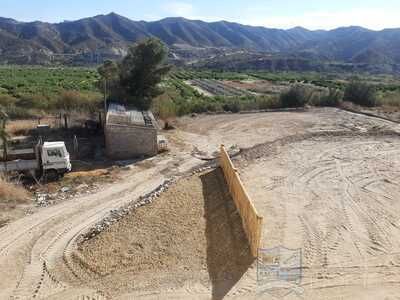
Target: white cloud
{"x":370,"y":18}
{"x":179,"y":9}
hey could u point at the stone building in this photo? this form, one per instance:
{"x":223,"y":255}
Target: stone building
{"x":129,"y":133}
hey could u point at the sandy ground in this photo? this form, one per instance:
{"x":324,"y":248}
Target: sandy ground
{"x":336,"y":198}
{"x":244,"y":131}
{"x":325,"y":181}
{"x":257,"y":86}
{"x":190,"y":237}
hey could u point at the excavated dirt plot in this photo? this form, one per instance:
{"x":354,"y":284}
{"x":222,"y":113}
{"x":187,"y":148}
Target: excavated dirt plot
{"x":337,"y":197}
{"x":330,"y":189}
{"x":310,"y":182}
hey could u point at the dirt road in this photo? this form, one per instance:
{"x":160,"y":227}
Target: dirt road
{"x":35,"y":252}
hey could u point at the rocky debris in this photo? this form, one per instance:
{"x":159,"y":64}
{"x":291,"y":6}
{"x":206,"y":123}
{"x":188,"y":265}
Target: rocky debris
{"x":41,"y":199}
{"x":29,"y":212}
{"x":117,"y":214}
{"x":82,"y":186}
{"x":204,"y":168}
{"x":44,"y":198}
{"x":65,"y":189}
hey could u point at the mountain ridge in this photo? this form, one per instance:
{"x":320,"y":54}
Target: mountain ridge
{"x":108,"y":36}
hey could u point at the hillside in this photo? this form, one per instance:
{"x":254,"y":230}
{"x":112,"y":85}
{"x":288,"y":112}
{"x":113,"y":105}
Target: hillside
{"x":107,"y":36}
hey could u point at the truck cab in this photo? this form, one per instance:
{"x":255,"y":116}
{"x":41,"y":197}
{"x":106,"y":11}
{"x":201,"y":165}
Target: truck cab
{"x":55,"y":158}
{"x":49,"y":160}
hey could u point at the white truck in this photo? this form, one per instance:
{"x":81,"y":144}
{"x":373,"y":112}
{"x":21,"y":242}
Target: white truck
{"x":51,"y":159}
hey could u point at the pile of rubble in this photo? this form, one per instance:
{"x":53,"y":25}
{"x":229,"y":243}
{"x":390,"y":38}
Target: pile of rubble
{"x":44,"y":199}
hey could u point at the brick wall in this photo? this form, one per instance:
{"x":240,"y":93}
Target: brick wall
{"x":126,"y":142}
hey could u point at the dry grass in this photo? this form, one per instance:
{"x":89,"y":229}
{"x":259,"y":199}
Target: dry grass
{"x":10,"y":192}
{"x":22,"y":127}
{"x":93,"y":173}
{"x":257,"y":86}
{"x":391,"y":99}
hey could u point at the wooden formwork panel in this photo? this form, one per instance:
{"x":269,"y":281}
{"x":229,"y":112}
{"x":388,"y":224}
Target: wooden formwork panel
{"x":252,"y":222}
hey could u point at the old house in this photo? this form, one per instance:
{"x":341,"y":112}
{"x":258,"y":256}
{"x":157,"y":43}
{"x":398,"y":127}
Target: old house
{"x":130,"y":133}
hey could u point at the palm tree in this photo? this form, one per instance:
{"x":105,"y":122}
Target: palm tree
{"x":4,"y":136}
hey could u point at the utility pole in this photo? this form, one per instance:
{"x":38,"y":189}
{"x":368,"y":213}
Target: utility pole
{"x":105,"y":100}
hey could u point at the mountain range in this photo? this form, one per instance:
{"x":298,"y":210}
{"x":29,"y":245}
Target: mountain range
{"x":108,"y":36}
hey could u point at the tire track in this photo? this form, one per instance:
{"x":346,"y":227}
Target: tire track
{"x":51,"y":245}
{"x":345,"y":191}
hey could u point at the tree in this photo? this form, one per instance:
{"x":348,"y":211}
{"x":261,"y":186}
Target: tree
{"x":141,"y":72}
{"x":109,"y":71}
{"x":330,"y":97}
{"x":4,"y":136}
{"x":165,"y":109}
{"x":109,"y":81}
{"x":297,"y":96}
{"x":361,"y":93}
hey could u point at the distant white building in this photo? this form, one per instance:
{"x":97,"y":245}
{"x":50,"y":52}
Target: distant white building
{"x":130,"y":133}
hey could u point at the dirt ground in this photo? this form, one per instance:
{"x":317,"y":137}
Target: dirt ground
{"x":257,"y":86}
{"x":190,"y":236}
{"x":42,"y":195}
{"x":334,"y":197}
{"x":325,"y":181}
{"x":244,"y":131}
{"x":385,"y":111}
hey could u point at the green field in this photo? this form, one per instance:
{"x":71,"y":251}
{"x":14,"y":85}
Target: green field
{"x":26,"y":91}
{"x":19,"y":81}
{"x":31,"y":91}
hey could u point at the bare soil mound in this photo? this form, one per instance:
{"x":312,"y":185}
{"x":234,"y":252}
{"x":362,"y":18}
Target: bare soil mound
{"x":190,"y":236}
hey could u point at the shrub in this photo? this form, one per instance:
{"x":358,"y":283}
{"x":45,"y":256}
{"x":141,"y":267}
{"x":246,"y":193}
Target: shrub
{"x":182,"y":109}
{"x":331,"y":97}
{"x":268,"y":102}
{"x":69,"y":100}
{"x":91,"y":101}
{"x":231,"y":106}
{"x":198,"y":107}
{"x":35,"y":101}
{"x":361,"y":93}
{"x":213,"y":107}
{"x":391,"y":99}
{"x":10,"y":192}
{"x":15,"y":112}
{"x":76,"y":101}
{"x":297,"y":96}
{"x":164,"y":108}
{"x":7,"y":100}
{"x":248,"y":104}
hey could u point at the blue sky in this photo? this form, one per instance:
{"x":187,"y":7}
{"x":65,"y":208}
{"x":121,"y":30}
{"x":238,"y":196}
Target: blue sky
{"x":312,"y":14}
